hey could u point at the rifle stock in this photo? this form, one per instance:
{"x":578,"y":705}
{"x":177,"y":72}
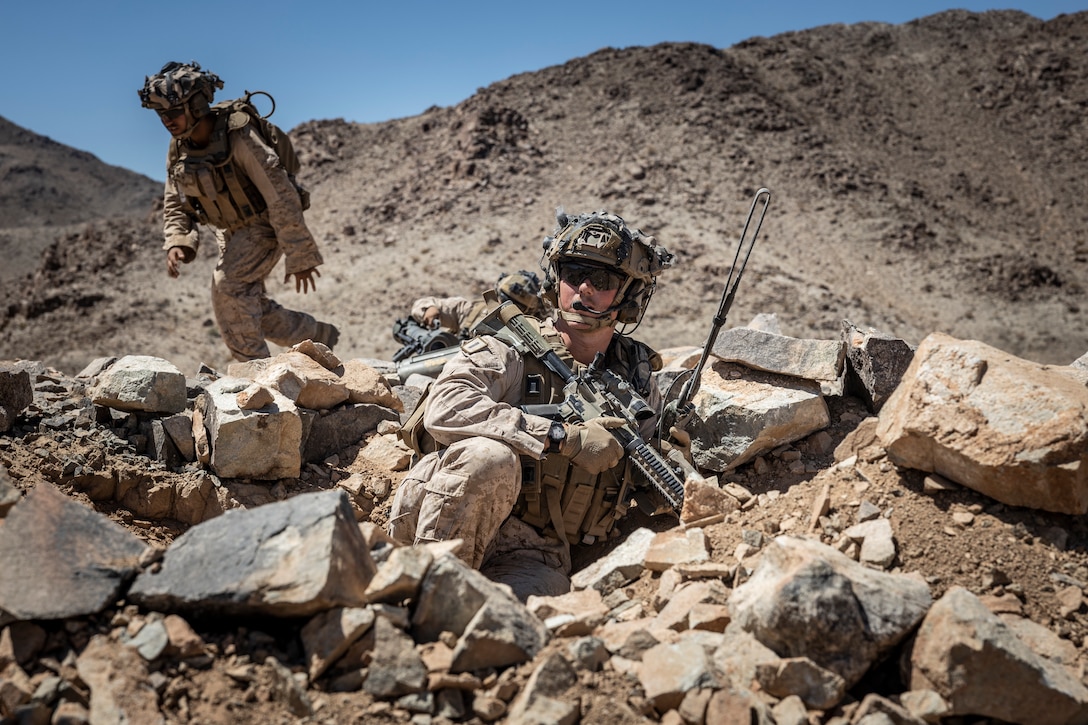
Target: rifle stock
{"x":594,"y":394}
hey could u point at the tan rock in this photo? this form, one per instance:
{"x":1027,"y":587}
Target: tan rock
{"x":367,"y":385}
{"x":1009,"y":428}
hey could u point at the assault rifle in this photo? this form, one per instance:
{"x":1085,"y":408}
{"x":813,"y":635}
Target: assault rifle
{"x":678,"y":412}
{"x":417,"y":339}
{"x":594,"y":393}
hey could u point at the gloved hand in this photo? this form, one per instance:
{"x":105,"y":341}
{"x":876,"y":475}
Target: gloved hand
{"x":591,"y":445}
{"x":680,"y":440}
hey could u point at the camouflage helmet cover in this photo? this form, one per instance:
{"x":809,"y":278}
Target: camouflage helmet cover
{"x":522,"y":288}
{"x":180,"y":84}
{"x":604,"y":239}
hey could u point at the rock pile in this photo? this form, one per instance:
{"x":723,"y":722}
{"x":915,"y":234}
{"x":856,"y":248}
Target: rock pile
{"x":286,"y":589}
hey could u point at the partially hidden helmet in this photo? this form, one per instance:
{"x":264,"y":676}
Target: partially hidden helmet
{"x":180,"y":84}
{"x":605,"y":240}
{"x":523,"y":289}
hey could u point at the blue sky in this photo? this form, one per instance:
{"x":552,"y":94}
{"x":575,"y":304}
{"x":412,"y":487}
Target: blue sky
{"x":73,"y":67}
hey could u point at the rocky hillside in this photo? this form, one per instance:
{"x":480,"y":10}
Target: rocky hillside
{"x":927,"y":177}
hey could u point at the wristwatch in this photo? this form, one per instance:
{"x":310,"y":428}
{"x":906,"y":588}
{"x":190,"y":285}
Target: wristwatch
{"x":556,"y":435}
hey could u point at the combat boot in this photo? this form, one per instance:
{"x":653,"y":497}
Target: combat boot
{"x":327,"y":334}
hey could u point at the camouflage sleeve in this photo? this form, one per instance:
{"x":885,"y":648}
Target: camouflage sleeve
{"x":477,"y":394}
{"x":179,"y":229}
{"x":259,"y":162}
{"x":452,"y":310}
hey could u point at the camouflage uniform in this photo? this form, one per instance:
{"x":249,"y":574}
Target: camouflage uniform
{"x":456,"y":314}
{"x":470,"y":488}
{"x":247,"y":255}
{"x":460,"y":315}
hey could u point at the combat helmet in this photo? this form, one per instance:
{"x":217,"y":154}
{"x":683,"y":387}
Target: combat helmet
{"x":604,"y":240}
{"x":523,"y":289}
{"x":183,"y":85}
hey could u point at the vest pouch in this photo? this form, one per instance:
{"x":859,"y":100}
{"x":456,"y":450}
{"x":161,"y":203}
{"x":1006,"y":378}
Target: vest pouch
{"x":531,"y":506}
{"x":413,"y":433}
{"x":586,"y":503}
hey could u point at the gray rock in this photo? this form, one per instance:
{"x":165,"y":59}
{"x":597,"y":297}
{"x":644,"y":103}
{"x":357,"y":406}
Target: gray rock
{"x":329,"y":634}
{"x":16,"y":393}
{"x":501,"y":633}
{"x":877,"y":542}
{"x":742,"y":413}
{"x":62,"y":559}
{"x":290,"y":558}
{"x":875,"y":364}
{"x":805,"y":599}
{"x":141,"y":383}
{"x":820,"y":360}
{"x":396,"y":668}
{"x":818,"y":688}
{"x":263,"y":444}
{"x":449,"y":598}
{"x":333,"y":430}
{"x":180,"y":429}
{"x":542,"y":698}
{"x":622,"y":565}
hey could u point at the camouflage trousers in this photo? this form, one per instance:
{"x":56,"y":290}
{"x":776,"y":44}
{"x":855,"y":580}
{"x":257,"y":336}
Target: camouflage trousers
{"x":467,"y":492}
{"x":246,"y":315}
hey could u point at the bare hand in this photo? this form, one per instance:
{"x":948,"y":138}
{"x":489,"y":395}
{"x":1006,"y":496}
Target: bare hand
{"x":174,"y":258}
{"x":430,"y":316}
{"x":304,"y":280}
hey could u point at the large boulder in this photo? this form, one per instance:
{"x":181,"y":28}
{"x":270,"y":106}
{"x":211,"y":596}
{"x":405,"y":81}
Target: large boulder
{"x":1009,"y":428}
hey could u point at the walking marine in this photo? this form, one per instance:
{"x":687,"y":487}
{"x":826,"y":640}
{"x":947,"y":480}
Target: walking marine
{"x":519,"y":488}
{"x":234,"y":171}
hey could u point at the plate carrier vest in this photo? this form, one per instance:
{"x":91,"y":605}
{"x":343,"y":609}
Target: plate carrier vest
{"x":210,"y":189}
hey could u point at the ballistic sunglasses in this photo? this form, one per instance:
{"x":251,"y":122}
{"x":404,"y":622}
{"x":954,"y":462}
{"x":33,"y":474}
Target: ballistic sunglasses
{"x":171,"y":113}
{"x":602,"y":279}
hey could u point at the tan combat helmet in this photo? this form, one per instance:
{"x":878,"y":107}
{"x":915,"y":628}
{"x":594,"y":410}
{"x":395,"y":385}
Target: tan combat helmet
{"x":523,"y":289}
{"x":604,"y":240}
{"x":181,"y":85}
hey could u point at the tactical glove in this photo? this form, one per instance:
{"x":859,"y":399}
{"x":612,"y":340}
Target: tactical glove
{"x":591,"y":445}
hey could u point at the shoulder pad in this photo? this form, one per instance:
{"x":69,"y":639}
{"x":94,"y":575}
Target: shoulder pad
{"x":237,"y":120}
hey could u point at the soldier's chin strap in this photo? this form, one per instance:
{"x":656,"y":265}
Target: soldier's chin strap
{"x":191,"y":124}
{"x":593,"y":323}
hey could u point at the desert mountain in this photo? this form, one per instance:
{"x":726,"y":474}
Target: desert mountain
{"x":49,"y":184}
{"x":926,"y":177}
{"x":49,"y":188}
